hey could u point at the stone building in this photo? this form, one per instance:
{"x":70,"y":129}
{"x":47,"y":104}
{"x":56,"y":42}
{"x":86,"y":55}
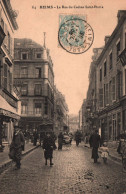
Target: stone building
{"x":111,"y":83}
{"x":9,"y":106}
{"x":61,"y":118}
{"x":34,"y":80}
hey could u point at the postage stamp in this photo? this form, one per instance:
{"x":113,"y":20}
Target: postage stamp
{"x":75,"y":34}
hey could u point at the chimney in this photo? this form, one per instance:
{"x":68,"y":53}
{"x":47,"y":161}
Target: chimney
{"x":120,"y":14}
{"x":106,"y":39}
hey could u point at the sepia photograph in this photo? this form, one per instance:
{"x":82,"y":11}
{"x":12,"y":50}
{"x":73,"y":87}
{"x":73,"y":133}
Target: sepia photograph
{"x":62,"y":97}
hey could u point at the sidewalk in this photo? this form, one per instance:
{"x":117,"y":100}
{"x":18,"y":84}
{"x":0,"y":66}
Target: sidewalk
{"x":112,"y":153}
{"x":5,"y":161}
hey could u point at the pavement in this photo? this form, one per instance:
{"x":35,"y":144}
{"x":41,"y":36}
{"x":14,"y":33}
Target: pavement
{"x":113,"y":154}
{"x":5,"y":161}
{"x":73,"y":172}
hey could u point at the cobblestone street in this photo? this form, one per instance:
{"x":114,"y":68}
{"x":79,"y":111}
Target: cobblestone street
{"x":73,"y":172}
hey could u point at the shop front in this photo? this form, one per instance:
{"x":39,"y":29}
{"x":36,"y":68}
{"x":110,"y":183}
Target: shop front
{"x":8,"y":118}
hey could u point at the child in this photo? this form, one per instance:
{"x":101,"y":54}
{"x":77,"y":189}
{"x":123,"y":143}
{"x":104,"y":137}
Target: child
{"x":105,"y":152}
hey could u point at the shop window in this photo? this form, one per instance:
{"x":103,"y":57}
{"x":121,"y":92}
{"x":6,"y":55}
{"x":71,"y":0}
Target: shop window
{"x":38,"y":89}
{"x":38,"y":108}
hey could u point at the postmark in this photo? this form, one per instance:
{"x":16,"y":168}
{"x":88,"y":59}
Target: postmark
{"x":75,"y":35}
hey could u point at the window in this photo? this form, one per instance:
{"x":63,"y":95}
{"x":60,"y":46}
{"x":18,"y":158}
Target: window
{"x":110,"y":60}
{"x":38,"y":89}
{"x":38,"y":108}
{"x":5,"y":76}
{"x":113,"y":89}
{"x":46,"y":106}
{"x":24,"y":108}
{"x":24,"y":56}
{"x":38,"y":55}
{"x":110,"y":91}
{"x":101,"y":97}
{"x":105,"y":68}
{"x":125,"y":39}
{"x":24,"y":72}
{"x":2,"y":23}
{"x":104,"y":94}
{"x":100,"y":74}
{"x":9,"y":43}
{"x":107,"y":95}
{"x":38,"y":72}
{"x":118,"y":50}
{"x":24,"y":90}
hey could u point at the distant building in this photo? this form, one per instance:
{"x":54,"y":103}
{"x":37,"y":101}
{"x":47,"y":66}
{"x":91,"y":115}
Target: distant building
{"x":34,"y":81}
{"x":73,"y":123}
{"x":61,"y":118}
{"x":9,"y":106}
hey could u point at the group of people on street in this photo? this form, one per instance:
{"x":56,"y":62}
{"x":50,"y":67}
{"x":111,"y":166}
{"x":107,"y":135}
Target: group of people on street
{"x":48,"y":144}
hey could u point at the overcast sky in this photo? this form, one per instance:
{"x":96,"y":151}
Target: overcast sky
{"x":71,"y":71}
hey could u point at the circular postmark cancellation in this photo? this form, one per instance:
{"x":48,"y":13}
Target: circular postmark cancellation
{"x":75,"y":36}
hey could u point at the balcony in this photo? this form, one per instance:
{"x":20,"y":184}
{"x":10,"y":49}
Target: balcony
{"x":31,"y":114}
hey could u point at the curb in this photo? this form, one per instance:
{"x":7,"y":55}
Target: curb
{"x":9,"y":162}
{"x":111,"y":156}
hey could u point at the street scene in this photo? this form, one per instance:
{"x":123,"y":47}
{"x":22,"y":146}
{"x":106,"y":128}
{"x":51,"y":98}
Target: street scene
{"x":62,"y":97}
{"x":73,"y":172}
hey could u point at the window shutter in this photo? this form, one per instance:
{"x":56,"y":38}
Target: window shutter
{"x":6,"y":37}
{"x":101,"y":97}
{"x":11,"y":46}
{"x":113,"y":88}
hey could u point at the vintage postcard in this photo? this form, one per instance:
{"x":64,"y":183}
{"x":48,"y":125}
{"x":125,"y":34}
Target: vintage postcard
{"x":62,"y":97}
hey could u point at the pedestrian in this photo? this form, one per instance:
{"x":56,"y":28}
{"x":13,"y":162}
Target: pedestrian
{"x":78,"y":137}
{"x":104,"y":152}
{"x":48,"y":146}
{"x":35,"y":137}
{"x":95,"y":143}
{"x":60,"y":141}
{"x":16,"y":147}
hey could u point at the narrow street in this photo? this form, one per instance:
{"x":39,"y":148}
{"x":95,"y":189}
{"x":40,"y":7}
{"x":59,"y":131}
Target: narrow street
{"x":73,"y":172}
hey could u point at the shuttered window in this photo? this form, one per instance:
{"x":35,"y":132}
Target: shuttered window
{"x":101,"y":97}
{"x":113,"y":89}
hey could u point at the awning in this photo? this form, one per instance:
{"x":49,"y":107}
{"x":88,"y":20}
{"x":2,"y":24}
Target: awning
{"x":7,"y":110}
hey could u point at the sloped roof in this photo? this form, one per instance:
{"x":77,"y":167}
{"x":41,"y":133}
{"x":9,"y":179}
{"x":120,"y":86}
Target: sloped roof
{"x":26,"y":43}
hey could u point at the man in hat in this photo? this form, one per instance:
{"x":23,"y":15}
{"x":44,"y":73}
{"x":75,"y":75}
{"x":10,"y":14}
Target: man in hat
{"x":17,"y":145}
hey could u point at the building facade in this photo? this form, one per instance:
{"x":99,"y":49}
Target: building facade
{"x":9,"y":106}
{"x":61,"y":121}
{"x":34,"y":80}
{"x":110,"y":84}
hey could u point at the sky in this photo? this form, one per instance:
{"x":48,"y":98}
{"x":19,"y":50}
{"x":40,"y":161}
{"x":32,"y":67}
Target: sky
{"x":71,"y":71}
